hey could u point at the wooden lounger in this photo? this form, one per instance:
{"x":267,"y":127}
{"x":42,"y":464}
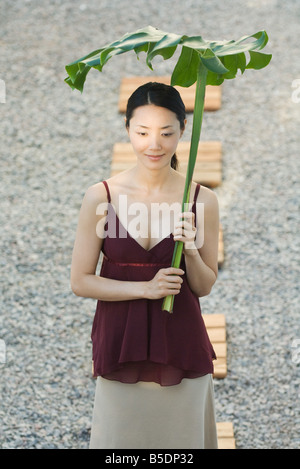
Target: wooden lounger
{"x":212,"y":95}
{"x":225,"y":434}
{"x":216,"y":329}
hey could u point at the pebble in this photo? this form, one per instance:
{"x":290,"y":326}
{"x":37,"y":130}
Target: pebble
{"x":56,"y":142}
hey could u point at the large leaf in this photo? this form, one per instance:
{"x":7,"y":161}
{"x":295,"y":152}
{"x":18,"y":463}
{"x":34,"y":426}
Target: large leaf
{"x":258,"y":60}
{"x":185,"y":71}
{"x":165,"y":47}
{"x":212,"y":62}
{"x":222,"y":59}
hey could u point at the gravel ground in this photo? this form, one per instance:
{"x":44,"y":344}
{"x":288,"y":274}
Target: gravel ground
{"x":55,"y":143}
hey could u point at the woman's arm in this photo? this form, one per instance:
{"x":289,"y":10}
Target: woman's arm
{"x":86,"y":252}
{"x":201,"y":262}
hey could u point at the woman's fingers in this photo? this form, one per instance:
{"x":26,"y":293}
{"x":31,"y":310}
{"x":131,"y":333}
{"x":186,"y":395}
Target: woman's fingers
{"x":172,"y":271}
{"x":185,"y":229}
{"x":167,"y":281}
{"x":171,"y":277}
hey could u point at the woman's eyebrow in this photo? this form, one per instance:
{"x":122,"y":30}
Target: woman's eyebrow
{"x":145,"y":127}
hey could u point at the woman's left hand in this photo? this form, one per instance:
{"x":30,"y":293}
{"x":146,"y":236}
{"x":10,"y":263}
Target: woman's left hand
{"x":185,"y":231}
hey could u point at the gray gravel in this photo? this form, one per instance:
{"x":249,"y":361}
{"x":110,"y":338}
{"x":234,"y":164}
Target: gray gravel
{"x":55,"y":143}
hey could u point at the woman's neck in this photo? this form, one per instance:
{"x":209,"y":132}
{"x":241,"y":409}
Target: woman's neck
{"x":152,"y":181}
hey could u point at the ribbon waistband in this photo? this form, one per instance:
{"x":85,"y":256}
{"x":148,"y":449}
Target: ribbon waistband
{"x":136,"y":264}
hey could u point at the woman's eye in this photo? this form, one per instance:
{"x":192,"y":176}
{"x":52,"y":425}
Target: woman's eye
{"x":167,"y":135}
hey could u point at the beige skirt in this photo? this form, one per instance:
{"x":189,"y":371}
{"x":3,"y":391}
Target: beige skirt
{"x":150,"y":416}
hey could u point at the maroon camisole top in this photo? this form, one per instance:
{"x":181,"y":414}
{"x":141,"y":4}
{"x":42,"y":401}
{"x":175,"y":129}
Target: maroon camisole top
{"x":134,"y":340}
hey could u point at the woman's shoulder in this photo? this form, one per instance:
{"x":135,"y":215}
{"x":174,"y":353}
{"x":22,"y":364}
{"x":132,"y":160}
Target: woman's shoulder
{"x":206,"y":194}
{"x":101,"y":191}
{"x":95,"y":194}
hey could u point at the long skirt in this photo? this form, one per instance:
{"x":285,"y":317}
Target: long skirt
{"x":149,"y":416}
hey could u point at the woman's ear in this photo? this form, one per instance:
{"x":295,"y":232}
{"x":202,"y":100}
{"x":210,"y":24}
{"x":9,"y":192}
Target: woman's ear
{"x":183,"y":129}
{"x":126,"y":126}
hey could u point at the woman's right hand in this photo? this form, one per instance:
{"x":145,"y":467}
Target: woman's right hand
{"x":166,"y":282}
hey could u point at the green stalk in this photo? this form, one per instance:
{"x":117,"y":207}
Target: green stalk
{"x":196,"y":131}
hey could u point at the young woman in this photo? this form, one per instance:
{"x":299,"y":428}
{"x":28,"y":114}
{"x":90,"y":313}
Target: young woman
{"x":154,"y":369}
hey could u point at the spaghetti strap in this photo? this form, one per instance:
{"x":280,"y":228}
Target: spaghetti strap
{"x":196,"y":192}
{"x":107,"y":190}
{"x":195,"y":201}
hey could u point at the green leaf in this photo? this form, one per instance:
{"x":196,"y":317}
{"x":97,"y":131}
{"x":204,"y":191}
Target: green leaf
{"x":212,"y":62}
{"x":233,"y":63}
{"x":258,"y":60}
{"x":241,"y":62}
{"x":235,"y":47}
{"x":222,"y":59}
{"x":166,"y":53}
{"x":165,"y":47}
{"x":78,"y":81}
{"x":262,"y":37}
{"x":195,"y":42}
{"x":185,"y":71}
{"x":131,"y":40}
{"x":142,"y":48}
{"x":214,"y":79}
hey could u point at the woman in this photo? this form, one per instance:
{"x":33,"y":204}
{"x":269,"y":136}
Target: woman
{"x":154,"y":369}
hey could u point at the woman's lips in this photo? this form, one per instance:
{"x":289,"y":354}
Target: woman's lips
{"x":154,"y":157}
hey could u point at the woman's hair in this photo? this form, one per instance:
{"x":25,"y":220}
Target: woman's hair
{"x":160,"y":95}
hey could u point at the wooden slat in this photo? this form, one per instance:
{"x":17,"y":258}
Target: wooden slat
{"x":216,"y":329}
{"x":220,"y":368}
{"x":225,"y":435}
{"x":212,"y":96}
{"x":208,"y":168}
{"x":214,"y":320}
{"x":217,"y":334}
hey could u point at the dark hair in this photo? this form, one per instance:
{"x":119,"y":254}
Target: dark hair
{"x":161,"y":95}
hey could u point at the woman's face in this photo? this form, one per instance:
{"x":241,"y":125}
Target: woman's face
{"x":154,"y":133}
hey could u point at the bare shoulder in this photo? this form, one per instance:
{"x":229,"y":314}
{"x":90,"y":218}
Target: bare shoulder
{"x":208,"y":197}
{"x":94,"y":195}
{"x":94,"y":202}
{"x":121,"y":183}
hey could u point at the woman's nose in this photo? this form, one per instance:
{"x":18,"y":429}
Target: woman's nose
{"x":155,"y":143}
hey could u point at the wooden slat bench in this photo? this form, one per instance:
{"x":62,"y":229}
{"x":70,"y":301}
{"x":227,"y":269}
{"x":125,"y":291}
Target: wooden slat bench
{"x":216,"y":329}
{"x":225,"y":435}
{"x":212,"y":96}
{"x":208,"y":168}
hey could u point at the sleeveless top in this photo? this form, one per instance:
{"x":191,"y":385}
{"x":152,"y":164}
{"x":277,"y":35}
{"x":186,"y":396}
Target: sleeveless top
{"x":134,"y":340}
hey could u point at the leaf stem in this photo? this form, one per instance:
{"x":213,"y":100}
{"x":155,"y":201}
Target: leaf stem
{"x":168,"y":301}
